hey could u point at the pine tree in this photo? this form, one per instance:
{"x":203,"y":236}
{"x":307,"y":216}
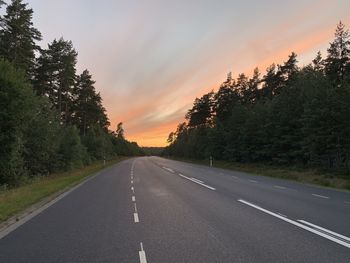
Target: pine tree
{"x":87,"y":106}
{"x":338,"y":57}
{"x":55,"y":76}
{"x":18,"y":37}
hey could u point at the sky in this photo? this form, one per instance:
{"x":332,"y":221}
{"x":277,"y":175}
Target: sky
{"x":151,"y":58}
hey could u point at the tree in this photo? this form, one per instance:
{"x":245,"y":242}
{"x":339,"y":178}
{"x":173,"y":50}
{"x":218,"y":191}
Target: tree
{"x":18,"y":37}
{"x":55,"y":76}
{"x":338,"y":57}
{"x":202,"y":111}
{"x":225,"y":99}
{"x":87,"y":105}
{"x":318,"y":63}
{"x":17,"y":109}
{"x":171,"y":138}
{"x":120,"y":131}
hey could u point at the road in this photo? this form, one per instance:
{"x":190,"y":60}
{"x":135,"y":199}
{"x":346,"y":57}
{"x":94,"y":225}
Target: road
{"x":151,"y":209}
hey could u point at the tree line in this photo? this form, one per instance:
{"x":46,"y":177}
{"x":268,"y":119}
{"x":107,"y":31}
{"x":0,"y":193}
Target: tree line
{"x":289,"y":116}
{"x":51,"y":117}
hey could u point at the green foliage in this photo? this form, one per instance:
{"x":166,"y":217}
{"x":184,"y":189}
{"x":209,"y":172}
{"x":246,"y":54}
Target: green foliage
{"x":18,"y":36}
{"x":17,"y":104}
{"x":290,"y":116}
{"x":64,"y":125}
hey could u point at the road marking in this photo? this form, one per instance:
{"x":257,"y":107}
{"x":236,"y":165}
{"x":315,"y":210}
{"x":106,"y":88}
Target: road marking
{"x":321,"y":196}
{"x":136,"y":218}
{"x":135,"y":207}
{"x":133,"y":198}
{"x":279,"y":187}
{"x":253,"y":181}
{"x":132,"y":178}
{"x":195,"y":181}
{"x":325,"y":230}
{"x":312,"y":230}
{"x":132,"y":181}
{"x":169,"y":169}
{"x":142,"y":254}
{"x":282,"y":215}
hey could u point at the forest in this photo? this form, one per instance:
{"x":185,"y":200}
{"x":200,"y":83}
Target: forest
{"x":291,"y":115}
{"x":51,"y":116}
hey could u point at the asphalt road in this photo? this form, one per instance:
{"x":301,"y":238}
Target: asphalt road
{"x":151,"y":209}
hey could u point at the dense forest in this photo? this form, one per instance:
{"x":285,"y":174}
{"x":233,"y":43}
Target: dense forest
{"x":289,"y":116}
{"x":51,"y":117}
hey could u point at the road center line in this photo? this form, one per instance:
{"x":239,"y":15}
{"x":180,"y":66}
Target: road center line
{"x":325,"y":230}
{"x":321,"y":196}
{"x":253,"y":181}
{"x":133,"y":198}
{"x":195,"y":181}
{"x":322,"y":234}
{"x":142,"y":254}
{"x":136,"y":218}
{"x":132,"y":181}
{"x":135,"y":207}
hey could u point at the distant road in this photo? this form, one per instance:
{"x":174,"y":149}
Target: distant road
{"x":151,"y":209}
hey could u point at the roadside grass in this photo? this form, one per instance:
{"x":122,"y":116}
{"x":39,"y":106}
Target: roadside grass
{"x":15,"y":200}
{"x":303,"y":175}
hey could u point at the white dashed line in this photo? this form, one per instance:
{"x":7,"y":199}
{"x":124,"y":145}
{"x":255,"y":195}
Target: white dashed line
{"x":312,"y":230}
{"x":136,"y":218}
{"x":132,"y":181}
{"x":142,"y":254}
{"x":253,"y":181}
{"x":133,"y":198}
{"x":321,"y":196}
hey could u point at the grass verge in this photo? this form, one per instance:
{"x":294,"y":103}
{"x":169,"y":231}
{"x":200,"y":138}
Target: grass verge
{"x":15,"y":200}
{"x":308,"y":176}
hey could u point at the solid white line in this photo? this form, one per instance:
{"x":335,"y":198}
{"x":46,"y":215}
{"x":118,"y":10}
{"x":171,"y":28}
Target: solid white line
{"x":279,"y":187}
{"x":195,"y":179}
{"x":136,"y":218}
{"x":296,"y":224}
{"x":253,"y":181}
{"x":202,"y":184}
{"x":321,"y":196}
{"x":142,"y":255}
{"x":326,"y":230}
{"x":133,"y":199}
{"x":282,"y":215}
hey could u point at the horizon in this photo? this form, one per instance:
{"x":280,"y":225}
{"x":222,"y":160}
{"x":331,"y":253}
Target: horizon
{"x":150,"y":61}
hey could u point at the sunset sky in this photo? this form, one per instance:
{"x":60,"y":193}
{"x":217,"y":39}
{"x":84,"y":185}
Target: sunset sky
{"x":150,"y":59}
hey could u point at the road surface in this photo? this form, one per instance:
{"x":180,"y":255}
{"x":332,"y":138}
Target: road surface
{"x":151,"y":210}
